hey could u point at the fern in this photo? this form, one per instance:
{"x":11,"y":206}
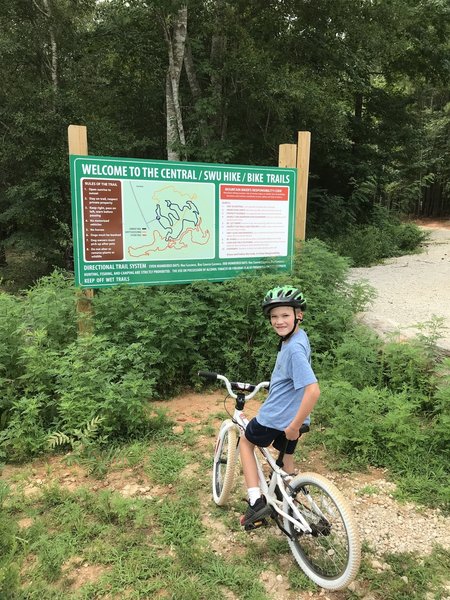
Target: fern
{"x":58,"y":439}
{"x":78,"y":437}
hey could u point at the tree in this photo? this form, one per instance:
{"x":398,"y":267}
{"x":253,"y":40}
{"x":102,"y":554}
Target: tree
{"x":222,"y":81}
{"x":175,"y":34}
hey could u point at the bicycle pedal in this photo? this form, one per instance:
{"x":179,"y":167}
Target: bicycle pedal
{"x":256,"y":525}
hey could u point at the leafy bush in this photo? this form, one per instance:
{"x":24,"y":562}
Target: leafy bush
{"x":389,"y":429}
{"x":409,"y":237}
{"x":332,"y":301}
{"x":94,"y":379}
{"x":356,"y":359}
{"x":407,"y":366}
{"x":384,"y":236}
{"x":441,"y":411}
{"x":11,"y":331}
{"x":51,"y":306}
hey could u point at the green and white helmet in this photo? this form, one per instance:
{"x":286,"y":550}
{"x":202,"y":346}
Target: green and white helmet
{"x":283,"y":296}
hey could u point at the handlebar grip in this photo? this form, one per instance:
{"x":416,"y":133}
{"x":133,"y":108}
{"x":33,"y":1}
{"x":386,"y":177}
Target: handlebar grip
{"x":208,"y":375}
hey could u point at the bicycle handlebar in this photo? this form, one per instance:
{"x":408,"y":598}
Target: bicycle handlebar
{"x":234,"y":385}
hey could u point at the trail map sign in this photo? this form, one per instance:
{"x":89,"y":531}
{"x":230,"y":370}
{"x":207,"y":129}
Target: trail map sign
{"x":157,"y":222}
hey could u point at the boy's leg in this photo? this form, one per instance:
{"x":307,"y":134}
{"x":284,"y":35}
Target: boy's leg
{"x":257,"y":503}
{"x":247,"y":451}
{"x":288,"y":463}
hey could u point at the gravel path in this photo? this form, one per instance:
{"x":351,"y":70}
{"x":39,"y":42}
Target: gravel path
{"x":412,"y":289}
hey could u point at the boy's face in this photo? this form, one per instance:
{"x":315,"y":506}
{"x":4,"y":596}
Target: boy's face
{"x":282,"y":319}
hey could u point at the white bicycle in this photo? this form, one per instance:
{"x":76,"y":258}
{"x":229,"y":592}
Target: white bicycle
{"x":309,"y":509}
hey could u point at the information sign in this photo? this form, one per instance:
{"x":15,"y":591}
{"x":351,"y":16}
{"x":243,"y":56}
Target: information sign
{"x":157,"y":222}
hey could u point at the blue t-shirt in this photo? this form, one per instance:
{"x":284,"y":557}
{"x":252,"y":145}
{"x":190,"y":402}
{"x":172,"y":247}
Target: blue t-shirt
{"x":291,"y":374}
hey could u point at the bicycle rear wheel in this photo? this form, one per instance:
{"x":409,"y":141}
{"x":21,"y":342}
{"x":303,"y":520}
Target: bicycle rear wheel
{"x":224,"y":465}
{"x":331,"y":554}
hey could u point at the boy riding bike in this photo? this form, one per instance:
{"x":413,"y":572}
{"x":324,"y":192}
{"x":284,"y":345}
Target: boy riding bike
{"x":293,"y":393}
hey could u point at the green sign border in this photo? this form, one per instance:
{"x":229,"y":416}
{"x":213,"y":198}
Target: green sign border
{"x":148,"y":271}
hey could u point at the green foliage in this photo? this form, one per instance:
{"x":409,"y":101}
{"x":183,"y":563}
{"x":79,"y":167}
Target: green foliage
{"x":25,"y":433}
{"x":94,"y":379}
{"x":80,"y":437}
{"x":407,"y":366}
{"x":355,"y":360}
{"x":390,"y":429}
{"x":51,"y":306}
{"x":441,"y":411}
{"x":10,"y":334}
{"x":332,"y":301}
{"x":157,"y":329}
{"x":384,"y":237}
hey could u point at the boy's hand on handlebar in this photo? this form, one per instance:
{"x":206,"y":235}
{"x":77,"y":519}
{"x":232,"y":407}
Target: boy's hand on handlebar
{"x":292,"y":433}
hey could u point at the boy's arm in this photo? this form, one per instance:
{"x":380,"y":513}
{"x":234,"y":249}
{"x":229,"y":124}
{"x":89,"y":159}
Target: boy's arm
{"x":310,"y":397}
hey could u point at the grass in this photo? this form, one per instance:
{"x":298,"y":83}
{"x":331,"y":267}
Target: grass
{"x":92,"y":542}
{"x":407,"y":576}
{"x":368,"y":490}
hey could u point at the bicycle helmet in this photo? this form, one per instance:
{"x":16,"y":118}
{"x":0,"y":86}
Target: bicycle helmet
{"x":283,"y":296}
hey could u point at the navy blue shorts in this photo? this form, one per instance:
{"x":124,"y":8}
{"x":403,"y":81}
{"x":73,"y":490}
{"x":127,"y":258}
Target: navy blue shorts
{"x":264,"y":436}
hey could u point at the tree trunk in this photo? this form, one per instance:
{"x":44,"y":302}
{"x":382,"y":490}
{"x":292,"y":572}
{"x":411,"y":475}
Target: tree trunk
{"x":53,"y":61}
{"x":357,"y":121}
{"x":176,"y":44}
{"x":195,"y":91}
{"x":219,"y":44}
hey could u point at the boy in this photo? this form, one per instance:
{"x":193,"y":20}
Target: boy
{"x":293,"y":393}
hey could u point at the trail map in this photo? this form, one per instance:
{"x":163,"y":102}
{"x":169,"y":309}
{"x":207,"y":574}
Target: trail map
{"x":151,"y":222}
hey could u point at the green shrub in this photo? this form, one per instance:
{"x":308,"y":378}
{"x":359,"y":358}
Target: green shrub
{"x":409,"y":237}
{"x":384,"y":237}
{"x":25,"y":433}
{"x":160,"y":323}
{"x":440,"y":441}
{"x":369,"y":426}
{"x":95,"y":379}
{"x":407,"y":366}
{"x":11,"y":332}
{"x":50,"y":305}
{"x":332,"y":301}
{"x":354,"y":418}
{"x":357,"y":358}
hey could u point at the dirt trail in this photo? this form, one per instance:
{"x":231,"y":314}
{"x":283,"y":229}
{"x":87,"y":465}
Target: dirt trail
{"x":413,"y":289}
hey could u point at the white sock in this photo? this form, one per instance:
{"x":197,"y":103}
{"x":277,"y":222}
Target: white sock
{"x":253,"y":494}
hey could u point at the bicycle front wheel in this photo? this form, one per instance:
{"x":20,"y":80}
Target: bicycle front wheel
{"x":224,"y":465}
{"x":330,"y":555}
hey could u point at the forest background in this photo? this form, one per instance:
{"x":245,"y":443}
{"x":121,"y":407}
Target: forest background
{"x":225,"y":82}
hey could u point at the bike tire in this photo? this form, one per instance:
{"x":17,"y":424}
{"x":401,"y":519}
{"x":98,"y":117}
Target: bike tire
{"x":224,"y":464}
{"x":331,"y":555}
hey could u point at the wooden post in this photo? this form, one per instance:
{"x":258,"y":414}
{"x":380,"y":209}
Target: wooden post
{"x":287,"y":155}
{"x":303,"y":149}
{"x":297,"y":155}
{"x":77,"y":136}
